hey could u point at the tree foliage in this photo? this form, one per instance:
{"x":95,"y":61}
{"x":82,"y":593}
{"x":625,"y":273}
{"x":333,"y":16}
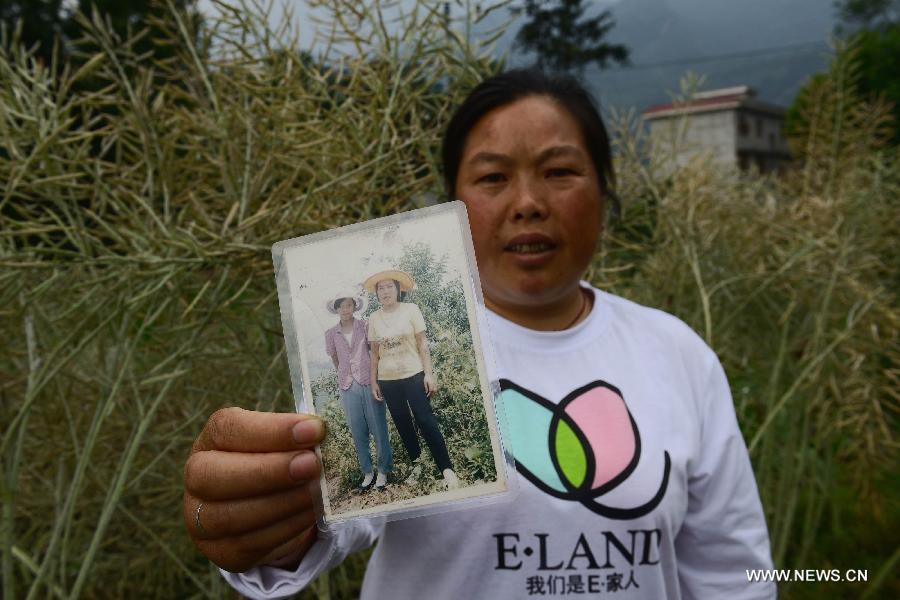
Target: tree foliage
{"x":869,"y":43}
{"x":41,"y":23}
{"x":867,"y":14}
{"x":46,"y":24}
{"x":564,"y":38}
{"x":879,"y":61}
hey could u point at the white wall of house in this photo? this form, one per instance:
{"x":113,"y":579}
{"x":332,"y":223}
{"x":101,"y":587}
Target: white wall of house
{"x":739,"y":135}
{"x":710,"y":133}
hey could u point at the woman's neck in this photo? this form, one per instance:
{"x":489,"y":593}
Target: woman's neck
{"x":390,"y":307}
{"x":348,"y":321}
{"x":557,"y":315}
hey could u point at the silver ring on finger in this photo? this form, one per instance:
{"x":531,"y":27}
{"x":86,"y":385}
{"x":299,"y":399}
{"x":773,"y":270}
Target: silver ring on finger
{"x":197,"y":522}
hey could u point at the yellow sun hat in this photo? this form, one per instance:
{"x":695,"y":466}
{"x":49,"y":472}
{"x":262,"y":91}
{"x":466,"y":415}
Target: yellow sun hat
{"x":406,"y":282}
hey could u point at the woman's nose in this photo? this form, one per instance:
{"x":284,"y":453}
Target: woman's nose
{"x":529,"y":201}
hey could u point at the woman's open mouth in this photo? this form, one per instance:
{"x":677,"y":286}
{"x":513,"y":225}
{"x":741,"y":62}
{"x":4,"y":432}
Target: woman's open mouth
{"x":531,"y":250}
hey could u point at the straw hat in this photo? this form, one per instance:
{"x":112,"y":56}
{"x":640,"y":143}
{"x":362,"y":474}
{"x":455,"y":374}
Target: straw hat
{"x":406,"y":282}
{"x":359,"y":303}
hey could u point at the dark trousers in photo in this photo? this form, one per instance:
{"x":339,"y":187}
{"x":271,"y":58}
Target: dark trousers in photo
{"x":411,"y":409}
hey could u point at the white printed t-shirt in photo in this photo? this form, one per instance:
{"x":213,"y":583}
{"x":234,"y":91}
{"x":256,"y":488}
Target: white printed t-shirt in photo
{"x":395,"y":332}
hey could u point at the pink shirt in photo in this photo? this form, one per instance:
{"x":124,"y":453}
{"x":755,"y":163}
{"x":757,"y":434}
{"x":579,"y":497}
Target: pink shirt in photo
{"x":353,"y":358}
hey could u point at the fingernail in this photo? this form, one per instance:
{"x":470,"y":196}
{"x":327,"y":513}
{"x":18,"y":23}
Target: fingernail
{"x":308,"y":431}
{"x":303,"y":466}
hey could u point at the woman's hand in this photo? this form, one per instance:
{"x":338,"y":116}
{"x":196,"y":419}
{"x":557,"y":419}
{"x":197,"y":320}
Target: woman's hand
{"x":374,"y":357}
{"x":246,"y":488}
{"x":425,"y":357}
{"x":430,"y":385}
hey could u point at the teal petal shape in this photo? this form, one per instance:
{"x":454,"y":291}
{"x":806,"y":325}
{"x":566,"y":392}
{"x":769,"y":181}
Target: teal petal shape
{"x":526,"y":428}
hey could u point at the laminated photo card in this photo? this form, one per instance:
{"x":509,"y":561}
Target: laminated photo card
{"x":386,"y":342}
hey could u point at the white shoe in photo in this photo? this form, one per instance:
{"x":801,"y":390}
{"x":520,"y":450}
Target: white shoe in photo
{"x":366,"y":482}
{"x":450,"y":479}
{"x":380,"y":481}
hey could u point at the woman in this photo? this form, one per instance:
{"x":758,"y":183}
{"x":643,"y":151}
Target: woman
{"x":347,"y":345}
{"x":671,"y":512}
{"x":401,"y":369}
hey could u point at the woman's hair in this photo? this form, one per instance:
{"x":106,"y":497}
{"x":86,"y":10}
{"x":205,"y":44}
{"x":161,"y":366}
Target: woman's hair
{"x":517,"y":84}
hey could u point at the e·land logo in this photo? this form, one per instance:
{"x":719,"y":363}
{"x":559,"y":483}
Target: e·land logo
{"x":579,"y":449}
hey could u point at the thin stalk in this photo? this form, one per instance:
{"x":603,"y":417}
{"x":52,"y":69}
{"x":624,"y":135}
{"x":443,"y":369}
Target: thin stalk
{"x":102,"y":411}
{"x":794,"y":466}
{"x":32,"y":566}
{"x":47,"y":374}
{"x":807,"y":371}
{"x":114,"y":494}
{"x":883,"y":575}
{"x":167,"y":550}
{"x":12,"y":462}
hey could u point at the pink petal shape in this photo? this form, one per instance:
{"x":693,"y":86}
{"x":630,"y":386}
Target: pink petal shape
{"x":601,"y":415}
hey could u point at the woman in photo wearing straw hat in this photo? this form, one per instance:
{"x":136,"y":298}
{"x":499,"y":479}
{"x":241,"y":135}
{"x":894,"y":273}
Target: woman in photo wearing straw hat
{"x":347,"y":345}
{"x":401,"y":369}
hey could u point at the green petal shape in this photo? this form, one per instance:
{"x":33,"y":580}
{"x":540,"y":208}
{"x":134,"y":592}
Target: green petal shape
{"x":570,"y":454}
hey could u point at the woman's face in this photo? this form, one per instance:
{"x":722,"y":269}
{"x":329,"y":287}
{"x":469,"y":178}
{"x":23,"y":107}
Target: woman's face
{"x":534,"y":202}
{"x":386,"y":291}
{"x":345,"y":308}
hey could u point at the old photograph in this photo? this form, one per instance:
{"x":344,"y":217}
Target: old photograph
{"x":387,"y":353}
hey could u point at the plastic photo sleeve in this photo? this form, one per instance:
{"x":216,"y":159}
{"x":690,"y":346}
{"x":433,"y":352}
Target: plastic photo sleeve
{"x":386,"y":338}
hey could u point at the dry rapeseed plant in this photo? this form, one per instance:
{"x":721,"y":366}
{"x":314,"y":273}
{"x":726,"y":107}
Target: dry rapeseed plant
{"x":139,"y":202}
{"x":792,"y":280}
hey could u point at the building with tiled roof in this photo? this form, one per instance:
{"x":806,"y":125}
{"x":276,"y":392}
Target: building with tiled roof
{"x":730,"y":125}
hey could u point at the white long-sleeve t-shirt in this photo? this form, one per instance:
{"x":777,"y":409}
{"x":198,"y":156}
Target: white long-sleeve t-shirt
{"x":633,"y":480}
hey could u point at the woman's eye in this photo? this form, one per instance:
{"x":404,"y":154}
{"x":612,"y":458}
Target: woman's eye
{"x":492,"y":178}
{"x":560,"y":172}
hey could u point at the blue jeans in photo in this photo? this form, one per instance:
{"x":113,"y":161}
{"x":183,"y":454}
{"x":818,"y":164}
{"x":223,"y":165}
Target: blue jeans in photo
{"x":366,"y":416}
